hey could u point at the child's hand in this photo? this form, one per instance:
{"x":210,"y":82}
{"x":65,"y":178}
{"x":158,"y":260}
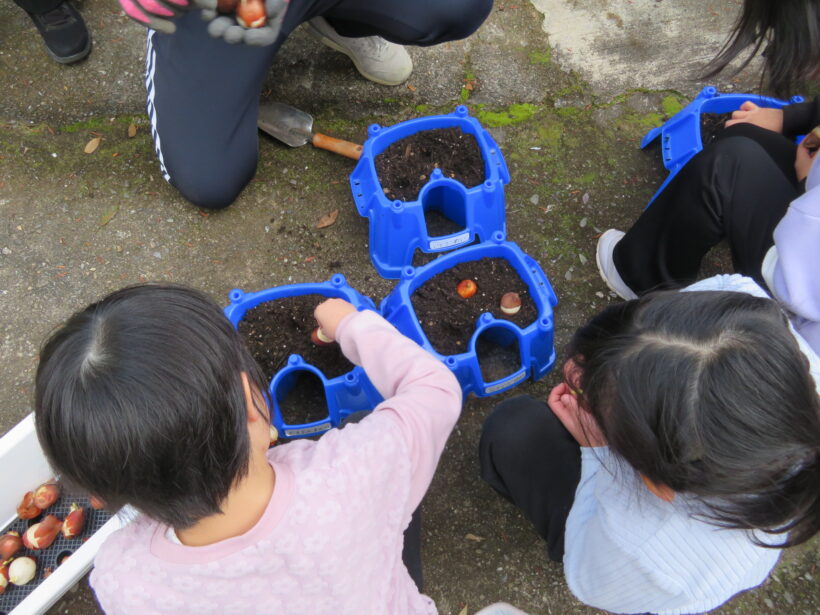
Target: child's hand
{"x":803,"y":162}
{"x":330,"y":313}
{"x":580,"y":423}
{"x":765,"y":117}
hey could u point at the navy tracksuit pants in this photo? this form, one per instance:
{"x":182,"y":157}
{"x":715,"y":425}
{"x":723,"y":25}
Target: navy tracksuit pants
{"x":203,"y":94}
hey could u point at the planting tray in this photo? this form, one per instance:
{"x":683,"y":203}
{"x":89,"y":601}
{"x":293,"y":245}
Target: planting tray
{"x":398,"y":228}
{"x":680,"y":134}
{"x":535,"y":341}
{"x":345,"y":394}
{"x":20,"y":450}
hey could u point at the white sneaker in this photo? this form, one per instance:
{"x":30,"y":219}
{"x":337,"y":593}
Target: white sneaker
{"x":375,"y":58}
{"x":606,"y":265}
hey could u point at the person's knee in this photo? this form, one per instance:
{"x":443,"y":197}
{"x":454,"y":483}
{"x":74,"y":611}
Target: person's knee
{"x":212,"y":185}
{"x":511,"y":421}
{"x":453,"y":20}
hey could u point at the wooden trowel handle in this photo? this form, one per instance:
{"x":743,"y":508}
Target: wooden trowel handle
{"x":338,"y":146}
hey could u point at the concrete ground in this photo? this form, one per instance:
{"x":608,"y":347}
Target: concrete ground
{"x":567,"y":88}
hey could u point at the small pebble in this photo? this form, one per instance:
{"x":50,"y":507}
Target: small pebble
{"x":6,"y":251}
{"x":534,"y":199}
{"x":768,"y":602}
{"x":585,"y":198}
{"x":583,"y":259}
{"x":583,"y":222}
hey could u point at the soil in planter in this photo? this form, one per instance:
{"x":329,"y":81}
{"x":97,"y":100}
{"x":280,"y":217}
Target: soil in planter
{"x":305,"y":402}
{"x":449,"y":321}
{"x":496,"y":361}
{"x":274,"y":330}
{"x":405,"y":166}
{"x":711,"y":124}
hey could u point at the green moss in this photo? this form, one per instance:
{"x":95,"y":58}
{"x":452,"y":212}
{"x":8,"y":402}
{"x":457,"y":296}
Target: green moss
{"x":541,"y":57}
{"x":586,"y":179}
{"x":549,"y":134}
{"x":421,"y":108}
{"x":464,"y":95}
{"x":671,"y":105}
{"x":514,"y":114}
{"x":650,"y":120}
{"x":568,"y":112}
{"x":389,"y":101}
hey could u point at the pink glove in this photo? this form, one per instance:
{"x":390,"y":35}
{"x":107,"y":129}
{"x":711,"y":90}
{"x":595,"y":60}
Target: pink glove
{"x":157,"y":14}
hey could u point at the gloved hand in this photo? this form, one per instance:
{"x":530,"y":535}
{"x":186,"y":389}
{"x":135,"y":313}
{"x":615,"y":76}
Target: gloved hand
{"x":229,"y":29}
{"x":157,"y":14}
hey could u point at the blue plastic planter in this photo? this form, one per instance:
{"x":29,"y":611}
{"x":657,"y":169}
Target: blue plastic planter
{"x":680,"y":134}
{"x":535,"y":342}
{"x":345,"y":394}
{"x":398,"y":228}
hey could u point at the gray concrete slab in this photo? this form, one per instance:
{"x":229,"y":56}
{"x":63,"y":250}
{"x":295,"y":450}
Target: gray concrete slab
{"x":567,"y":87}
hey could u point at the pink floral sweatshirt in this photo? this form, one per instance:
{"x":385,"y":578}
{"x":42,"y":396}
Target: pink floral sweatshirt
{"x":331,"y":538}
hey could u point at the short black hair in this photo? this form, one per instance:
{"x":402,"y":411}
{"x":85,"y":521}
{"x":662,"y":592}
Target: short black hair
{"x":710,"y":394}
{"x":139,"y":400}
{"x":787,"y":32}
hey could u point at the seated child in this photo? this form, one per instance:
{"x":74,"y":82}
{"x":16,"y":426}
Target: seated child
{"x":150,"y":398}
{"x":698,"y":419}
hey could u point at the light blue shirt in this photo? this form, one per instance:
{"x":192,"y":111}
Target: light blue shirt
{"x":628,"y":551}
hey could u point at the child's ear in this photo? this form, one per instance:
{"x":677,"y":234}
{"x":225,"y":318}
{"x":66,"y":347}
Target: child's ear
{"x":572,"y":374}
{"x":251,"y":408}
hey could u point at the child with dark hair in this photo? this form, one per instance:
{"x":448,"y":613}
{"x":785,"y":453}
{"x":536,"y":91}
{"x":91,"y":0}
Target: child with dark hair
{"x":150,"y":398}
{"x":742,"y":185}
{"x":698,"y":420}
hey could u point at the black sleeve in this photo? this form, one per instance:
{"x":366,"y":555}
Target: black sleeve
{"x":800,"y":118}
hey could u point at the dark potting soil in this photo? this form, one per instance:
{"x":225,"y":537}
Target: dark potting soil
{"x":305,"y":402}
{"x":274,"y":330}
{"x":449,"y":321}
{"x":711,"y":124}
{"x":405,"y":166}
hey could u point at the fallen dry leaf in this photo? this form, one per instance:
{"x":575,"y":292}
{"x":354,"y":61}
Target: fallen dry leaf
{"x":411,"y":87}
{"x":463,"y":611}
{"x":92,"y":145}
{"x":132,"y":130}
{"x":109,"y":215}
{"x":473,"y":537}
{"x":328,"y":219}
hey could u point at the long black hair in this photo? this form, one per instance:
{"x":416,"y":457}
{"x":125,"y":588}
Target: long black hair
{"x":139,"y":400}
{"x":787,"y":32}
{"x":709,"y":393}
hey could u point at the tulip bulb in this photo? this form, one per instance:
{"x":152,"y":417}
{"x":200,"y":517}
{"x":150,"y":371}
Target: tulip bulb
{"x":251,"y":14}
{"x":466,"y":289}
{"x":10,"y":544}
{"x":510,"y":303}
{"x":22,"y":570}
{"x":27,"y":509}
{"x":41,"y":535}
{"x":45,"y":495}
{"x":74,"y":522}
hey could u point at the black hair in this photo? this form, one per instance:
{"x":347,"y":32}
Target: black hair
{"x":709,"y":394}
{"x":139,"y":400}
{"x":788,"y":32}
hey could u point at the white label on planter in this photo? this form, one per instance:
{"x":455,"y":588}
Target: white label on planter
{"x":304,"y":431}
{"x":506,"y":383}
{"x":449,"y":242}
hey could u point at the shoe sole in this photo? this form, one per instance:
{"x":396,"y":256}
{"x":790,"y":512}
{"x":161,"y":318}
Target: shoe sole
{"x":601,"y":271}
{"x":72,"y":58}
{"x":337,"y":47}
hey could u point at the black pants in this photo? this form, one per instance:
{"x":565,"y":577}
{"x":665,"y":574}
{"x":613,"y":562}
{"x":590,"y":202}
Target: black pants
{"x":38,"y":7}
{"x":203,"y":93}
{"x":737,"y":188}
{"x":411,"y":554}
{"x":528,"y":457}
